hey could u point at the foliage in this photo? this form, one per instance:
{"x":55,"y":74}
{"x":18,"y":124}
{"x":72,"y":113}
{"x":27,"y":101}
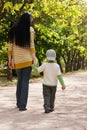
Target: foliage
{"x":59,"y":24}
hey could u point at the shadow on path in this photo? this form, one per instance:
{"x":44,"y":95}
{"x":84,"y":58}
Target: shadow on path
{"x":70,"y":107}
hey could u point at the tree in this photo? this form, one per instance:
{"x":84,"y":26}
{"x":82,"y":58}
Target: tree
{"x":59,"y":24}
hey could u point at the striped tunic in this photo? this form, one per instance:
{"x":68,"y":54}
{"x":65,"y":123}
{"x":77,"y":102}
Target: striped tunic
{"x":22,"y":57}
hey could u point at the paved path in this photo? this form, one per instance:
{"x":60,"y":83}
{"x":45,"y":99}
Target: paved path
{"x":70,"y":107}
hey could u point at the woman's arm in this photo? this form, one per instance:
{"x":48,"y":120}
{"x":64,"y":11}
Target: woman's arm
{"x":10,"y":60}
{"x":34,"y":58}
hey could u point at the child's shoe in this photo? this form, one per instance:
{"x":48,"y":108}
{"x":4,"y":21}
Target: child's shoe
{"x":47,"y":110}
{"x":52,"y":109}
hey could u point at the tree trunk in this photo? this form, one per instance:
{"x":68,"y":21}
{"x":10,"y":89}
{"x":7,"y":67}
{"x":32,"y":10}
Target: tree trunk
{"x":58,"y":61}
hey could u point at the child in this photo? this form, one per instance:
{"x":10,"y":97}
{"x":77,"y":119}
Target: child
{"x":51,"y":72}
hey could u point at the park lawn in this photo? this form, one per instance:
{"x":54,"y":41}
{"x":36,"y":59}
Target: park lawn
{"x":5,"y":82}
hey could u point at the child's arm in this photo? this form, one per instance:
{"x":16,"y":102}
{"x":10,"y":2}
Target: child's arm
{"x":61,"y":81}
{"x":38,"y":69}
{"x":34,"y":68}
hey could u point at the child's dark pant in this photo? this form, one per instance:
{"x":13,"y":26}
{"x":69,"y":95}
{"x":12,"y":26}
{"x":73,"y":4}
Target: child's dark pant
{"x":49,"y":96}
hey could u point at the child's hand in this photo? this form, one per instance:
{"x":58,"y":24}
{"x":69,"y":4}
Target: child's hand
{"x":63,"y":87}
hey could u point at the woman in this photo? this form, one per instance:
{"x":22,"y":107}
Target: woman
{"x":21,"y":55}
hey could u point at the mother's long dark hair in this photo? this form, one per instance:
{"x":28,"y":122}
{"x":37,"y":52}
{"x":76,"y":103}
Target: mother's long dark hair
{"x":20,"y":32}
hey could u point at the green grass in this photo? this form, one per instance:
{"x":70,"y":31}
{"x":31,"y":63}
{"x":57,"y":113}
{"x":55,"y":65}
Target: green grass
{"x":5,"y":82}
{"x":35,"y":77}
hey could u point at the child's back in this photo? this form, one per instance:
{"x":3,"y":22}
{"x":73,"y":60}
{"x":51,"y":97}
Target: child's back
{"x":50,"y":72}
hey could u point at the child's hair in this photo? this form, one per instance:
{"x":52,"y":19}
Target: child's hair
{"x":51,"y":55}
{"x":20,"y":32}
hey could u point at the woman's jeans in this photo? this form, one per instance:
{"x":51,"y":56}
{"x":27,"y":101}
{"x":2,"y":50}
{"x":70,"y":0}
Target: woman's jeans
{"x":23,"y":75}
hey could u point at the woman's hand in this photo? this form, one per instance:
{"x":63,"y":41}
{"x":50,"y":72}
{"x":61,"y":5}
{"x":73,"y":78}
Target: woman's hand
{"x":10,"y":64}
